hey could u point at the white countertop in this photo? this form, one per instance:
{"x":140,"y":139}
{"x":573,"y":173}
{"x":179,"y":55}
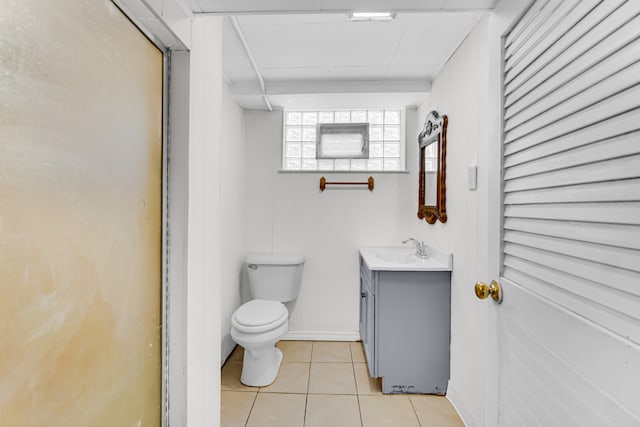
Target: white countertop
{"x":404,"y":259}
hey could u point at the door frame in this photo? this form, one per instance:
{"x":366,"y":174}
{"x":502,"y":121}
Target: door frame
{"x":175,"y":187}
{"x":502,"y":20}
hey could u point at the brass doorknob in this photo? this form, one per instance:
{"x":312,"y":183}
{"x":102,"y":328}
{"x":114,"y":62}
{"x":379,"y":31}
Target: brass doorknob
{"x":483,"y":291}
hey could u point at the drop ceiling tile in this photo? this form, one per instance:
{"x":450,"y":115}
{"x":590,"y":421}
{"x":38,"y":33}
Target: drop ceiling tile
{"x":432,"y":38}
{"x":358,"y":73}
{"x":256,"y":6}
{"x":235,"y":63}
{"x":469,"y":4}
{"x":317,"y":45}
{"x":290,"y":19}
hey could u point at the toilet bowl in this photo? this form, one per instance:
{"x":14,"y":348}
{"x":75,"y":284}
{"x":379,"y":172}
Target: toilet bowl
{"x":260,"y":323}
{"x":257,"y":326}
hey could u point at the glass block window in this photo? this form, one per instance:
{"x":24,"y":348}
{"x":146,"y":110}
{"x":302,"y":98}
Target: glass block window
{"x":386,"y":140}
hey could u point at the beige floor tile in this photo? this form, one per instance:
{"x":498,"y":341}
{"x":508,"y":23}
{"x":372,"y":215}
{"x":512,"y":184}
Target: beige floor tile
{"x":278,"y":410}
{"x":366,"y":384}
{"x":332,"y":410}
{"x":378,"y":411}
{"x":295,"y":351}
{"x":230,"y":377}
{"x":357,"y":352}
{"x":337,"y":352}
{"x":435,"y":411}
{"x":237,"y":354}
{"x":292,"y":378}
{"x":235,"y":407}
{"x":332,"y":378}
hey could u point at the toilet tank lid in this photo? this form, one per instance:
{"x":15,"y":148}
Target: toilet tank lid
{"x":274,"y":259}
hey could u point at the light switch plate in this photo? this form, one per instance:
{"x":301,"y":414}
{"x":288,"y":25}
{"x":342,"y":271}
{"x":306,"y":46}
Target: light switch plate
{"x":472,"y":176}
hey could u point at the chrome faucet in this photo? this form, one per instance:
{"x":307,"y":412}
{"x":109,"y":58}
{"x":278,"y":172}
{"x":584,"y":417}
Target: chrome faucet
{"x":421,"y":248}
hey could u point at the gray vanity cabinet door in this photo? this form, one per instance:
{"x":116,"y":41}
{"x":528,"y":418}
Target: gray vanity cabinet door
{"x":367,"y":317}
{"x":413,"y":331}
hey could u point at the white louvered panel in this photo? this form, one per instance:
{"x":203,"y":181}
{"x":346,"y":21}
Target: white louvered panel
{"x":620,"y":235}
{"x":535,"y":103}
{"x":545,"y":283}
{"x":611,"y":107}
{"x":517,"y":63}
{"x":579,"y":93}
{"x":609,"y":191}
{"x":524,"y":23}
{"x":588,"y":33}
{"x":548,"y":25}
{"x":514,"y":79}
{"x":622,"y":146}
{"x":593,"y":132}
{"x":562,"y":80}
{"x":609,"y":170}
{"x":612,"y":213}
{"x":534,"y":31}
{"x":609,"y":255}
{"x":616,"y":288}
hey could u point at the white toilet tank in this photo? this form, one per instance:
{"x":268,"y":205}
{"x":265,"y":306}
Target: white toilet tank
{"x":274,"y":277}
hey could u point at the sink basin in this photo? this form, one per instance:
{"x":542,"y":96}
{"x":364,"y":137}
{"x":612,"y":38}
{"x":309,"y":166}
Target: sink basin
{"x":405,"y":259}
{"x":397,"y":257}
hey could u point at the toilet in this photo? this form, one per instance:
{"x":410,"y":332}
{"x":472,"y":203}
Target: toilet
{"x":274,"y":279}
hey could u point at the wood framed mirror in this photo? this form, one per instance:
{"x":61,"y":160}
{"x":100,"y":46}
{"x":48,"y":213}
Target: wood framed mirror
{"x":432,"y":142}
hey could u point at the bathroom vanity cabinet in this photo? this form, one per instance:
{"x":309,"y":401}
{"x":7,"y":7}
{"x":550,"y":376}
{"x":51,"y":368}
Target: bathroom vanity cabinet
{"x":405,"y":327}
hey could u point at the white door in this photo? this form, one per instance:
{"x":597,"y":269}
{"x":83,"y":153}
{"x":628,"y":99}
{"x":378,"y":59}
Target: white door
{"x":564,"y":343}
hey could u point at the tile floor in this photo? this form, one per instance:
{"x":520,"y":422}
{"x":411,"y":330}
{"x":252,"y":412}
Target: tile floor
{"x":325,"y":384}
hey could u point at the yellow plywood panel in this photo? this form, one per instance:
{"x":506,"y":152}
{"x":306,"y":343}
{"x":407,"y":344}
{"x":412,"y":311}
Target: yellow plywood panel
{"x":80,"y":216}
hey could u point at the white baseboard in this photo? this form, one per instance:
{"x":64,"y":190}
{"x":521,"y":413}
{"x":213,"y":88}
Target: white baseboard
{"x":321,"y":336}
{"x":458,"y":404}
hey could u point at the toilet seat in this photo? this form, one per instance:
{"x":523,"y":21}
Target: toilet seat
{"x":259,"y":315}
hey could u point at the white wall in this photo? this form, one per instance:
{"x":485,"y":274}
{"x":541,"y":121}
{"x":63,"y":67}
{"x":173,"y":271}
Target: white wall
{"x":288,"y":213}
{"x":204,"y":229}
{"x":233,"y":206}
{"x":461,"y":92}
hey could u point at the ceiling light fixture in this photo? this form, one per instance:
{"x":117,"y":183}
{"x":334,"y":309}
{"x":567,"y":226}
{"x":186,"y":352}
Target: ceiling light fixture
{"x":370,"y":16}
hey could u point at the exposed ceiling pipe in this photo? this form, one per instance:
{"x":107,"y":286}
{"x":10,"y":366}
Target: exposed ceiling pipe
{"x":236,"y":26}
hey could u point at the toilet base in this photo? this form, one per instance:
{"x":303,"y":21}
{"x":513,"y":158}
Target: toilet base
{"x":260,"y":366}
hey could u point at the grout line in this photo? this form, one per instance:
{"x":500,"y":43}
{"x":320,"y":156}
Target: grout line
{"x":251,"y":410}
{"x":414,"y":410}
{"x":360,"y":410}
{"x":309,"y":376}
{"x":306,"y":404}
{"x":306,"y":399}
{"x":353,"y":367}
